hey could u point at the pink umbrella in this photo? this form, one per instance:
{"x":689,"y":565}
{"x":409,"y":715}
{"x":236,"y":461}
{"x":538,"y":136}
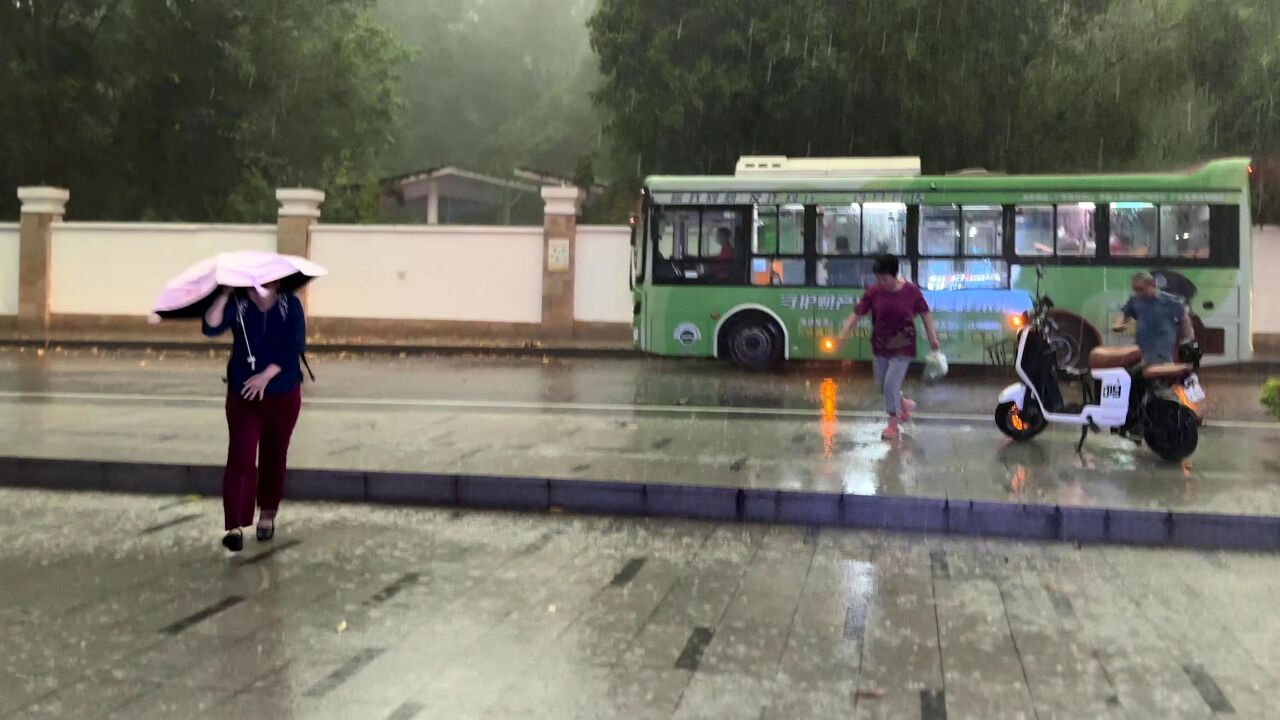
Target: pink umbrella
{"x":189,"y":294}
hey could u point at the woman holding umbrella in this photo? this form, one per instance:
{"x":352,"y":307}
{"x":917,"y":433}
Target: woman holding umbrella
{"x":264,"y":396}
{"x":251,"y":293}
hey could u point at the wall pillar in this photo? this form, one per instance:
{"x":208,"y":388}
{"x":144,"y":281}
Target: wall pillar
{"x":559,"y":234}
{"x":41,"y":208}
{"x":433,"y":203}
{"x":299,"y":210}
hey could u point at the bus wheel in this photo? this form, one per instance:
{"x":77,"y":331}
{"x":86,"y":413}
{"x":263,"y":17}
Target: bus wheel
{"x":754,"y":343}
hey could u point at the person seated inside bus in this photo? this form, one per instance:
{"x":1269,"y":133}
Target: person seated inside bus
{"x":1067,"y":245}
{"x":721,"y":265}
{"x":724,"y":245}
{"x":1122,"y":246}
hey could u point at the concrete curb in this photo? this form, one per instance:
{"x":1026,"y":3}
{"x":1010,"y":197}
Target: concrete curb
{"x":904,"y":514}
{"x":321,"y":348}
{"x":1259,"y":369}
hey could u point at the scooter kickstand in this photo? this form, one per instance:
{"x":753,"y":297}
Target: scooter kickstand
{"x":1084,"y":433}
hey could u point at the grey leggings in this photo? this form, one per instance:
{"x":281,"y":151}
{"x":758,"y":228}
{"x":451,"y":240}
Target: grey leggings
{"x":890,"y":372}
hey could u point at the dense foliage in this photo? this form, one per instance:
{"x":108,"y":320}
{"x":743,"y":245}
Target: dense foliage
{"x":193,"y":109}
{"x":1271,"y":397}
{"x":494,"y":85}
{"x":197,"y":109}
{"x":1012,"y":85}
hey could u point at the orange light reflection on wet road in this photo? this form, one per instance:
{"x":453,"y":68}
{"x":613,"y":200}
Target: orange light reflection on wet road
{"x":830,"y":391}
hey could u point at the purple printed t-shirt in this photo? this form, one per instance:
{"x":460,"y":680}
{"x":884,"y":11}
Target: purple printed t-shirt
{"x":893,"y":318}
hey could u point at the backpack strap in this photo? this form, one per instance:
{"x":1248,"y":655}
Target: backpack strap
{"x":303,"y":357}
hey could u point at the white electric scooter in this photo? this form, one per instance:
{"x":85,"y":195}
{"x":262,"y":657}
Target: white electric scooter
{"x":1156,"y":404}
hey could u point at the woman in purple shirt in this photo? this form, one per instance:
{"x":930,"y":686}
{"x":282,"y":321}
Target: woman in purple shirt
{"x":893,"y":304}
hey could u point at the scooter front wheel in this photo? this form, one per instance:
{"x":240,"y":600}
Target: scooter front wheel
{"x":1019,"y":424}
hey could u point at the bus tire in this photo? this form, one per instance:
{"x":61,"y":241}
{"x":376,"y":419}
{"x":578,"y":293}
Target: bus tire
{"x":754,"y":342}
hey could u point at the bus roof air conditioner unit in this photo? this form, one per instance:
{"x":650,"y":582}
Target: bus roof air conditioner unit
{"x":779,"y":166}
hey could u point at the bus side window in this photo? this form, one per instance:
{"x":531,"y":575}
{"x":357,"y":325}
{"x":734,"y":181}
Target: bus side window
{"x":1184,"y":231}
{"x":939,"y":230}
{"x":983,"y":230}
{"x":840,"y":230}
{"x":960,"y":248}
{"x":884,"y":228}
{"x":1133,"y":229}
{"x":1224,"y":235}
{"x":1075,"y":231}
{"x":777,"y":246}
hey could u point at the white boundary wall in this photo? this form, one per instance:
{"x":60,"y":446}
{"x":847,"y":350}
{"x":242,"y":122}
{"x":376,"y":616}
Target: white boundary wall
{"x":418,"y":272}
{"x":119,"y":268}
{"x":602,"y":269}
{"x":1266,"y":290}
{"x":446,"y":273}
{"x":8,"y":268}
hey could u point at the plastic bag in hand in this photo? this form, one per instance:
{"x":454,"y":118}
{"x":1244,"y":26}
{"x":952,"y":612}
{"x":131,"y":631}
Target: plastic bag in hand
{"x":935,"y":366}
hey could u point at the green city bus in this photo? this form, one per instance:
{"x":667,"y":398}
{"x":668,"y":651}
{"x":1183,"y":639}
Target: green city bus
{"x":764,"y":266}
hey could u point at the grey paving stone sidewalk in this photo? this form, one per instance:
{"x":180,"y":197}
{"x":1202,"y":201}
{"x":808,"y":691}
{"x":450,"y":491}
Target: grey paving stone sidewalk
{"x":124,"y":607}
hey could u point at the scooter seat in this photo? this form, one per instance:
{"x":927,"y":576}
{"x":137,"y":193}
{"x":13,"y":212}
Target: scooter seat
{"x":1166,"y":371}
{"x":1114,"y":357}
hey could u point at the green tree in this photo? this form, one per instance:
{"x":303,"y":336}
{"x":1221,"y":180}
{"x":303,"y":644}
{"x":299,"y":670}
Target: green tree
{"x":496,"y":84}
{"x":689,"y":89}
{"x":193,"y":110}
{"x":1016,"y":85}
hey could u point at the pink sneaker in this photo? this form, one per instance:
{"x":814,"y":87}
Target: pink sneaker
{"x":891,"y":430}
{"x":907,"y":408}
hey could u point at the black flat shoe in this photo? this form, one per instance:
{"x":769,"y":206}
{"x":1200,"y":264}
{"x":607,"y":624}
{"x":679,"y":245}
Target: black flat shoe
{"x":267,"y":533}
{"x":233,"y":541}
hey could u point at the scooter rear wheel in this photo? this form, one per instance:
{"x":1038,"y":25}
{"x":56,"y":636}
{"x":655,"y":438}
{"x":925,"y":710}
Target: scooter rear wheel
{"x":1171,"y":430}
{"x":1019,"y":424}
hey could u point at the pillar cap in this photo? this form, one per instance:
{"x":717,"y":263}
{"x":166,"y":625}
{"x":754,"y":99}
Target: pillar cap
{"x":566,"y":201}
{"x":44,"y":200}
{"x":299,"y":202}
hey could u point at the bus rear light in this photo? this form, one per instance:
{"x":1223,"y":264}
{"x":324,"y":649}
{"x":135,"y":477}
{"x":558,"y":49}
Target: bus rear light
{"x":828,"y":345}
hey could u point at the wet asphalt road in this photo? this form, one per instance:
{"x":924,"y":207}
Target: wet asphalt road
{"x":489,"y":379}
